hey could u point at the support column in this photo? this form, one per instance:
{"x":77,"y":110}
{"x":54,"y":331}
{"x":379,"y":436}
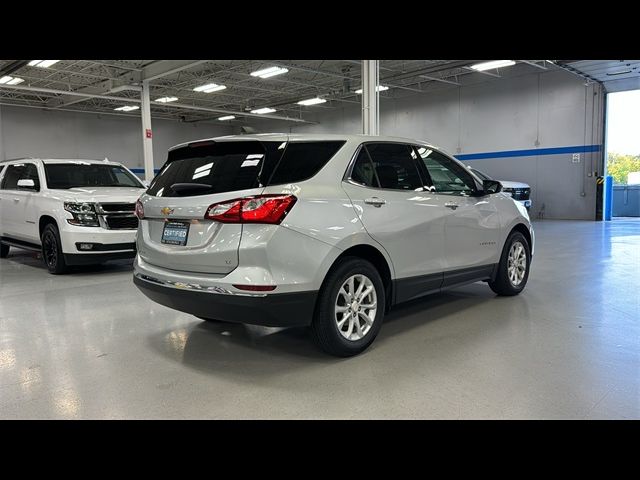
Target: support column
{"x":147,"y":141}
{"x":370,"y":98}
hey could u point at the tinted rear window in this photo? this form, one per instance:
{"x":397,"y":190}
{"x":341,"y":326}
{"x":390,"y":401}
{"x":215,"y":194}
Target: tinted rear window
{"x":302,"y":160}
{"x":217,"y":167}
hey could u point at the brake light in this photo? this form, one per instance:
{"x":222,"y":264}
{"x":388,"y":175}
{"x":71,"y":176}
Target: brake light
{"x":139,"y":210}
{"x":259,"y":209}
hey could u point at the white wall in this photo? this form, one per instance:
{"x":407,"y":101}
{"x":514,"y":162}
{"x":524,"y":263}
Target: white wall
{"x":45,"y":133}
{"x":531,"y":111}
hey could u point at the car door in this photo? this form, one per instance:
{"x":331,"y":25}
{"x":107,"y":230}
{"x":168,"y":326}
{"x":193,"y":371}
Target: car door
{"x":18,"y":203}
{"x":399,"y":211}
{"x":472,"y":226}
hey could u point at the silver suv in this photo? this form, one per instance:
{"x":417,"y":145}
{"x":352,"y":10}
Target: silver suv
{"x":328,"y":231}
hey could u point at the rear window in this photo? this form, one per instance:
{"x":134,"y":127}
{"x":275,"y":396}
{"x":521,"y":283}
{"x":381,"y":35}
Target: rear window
{"x":210,"y":167}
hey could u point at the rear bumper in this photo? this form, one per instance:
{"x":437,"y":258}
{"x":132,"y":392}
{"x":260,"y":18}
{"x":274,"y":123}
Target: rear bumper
{"x":272,"y":310}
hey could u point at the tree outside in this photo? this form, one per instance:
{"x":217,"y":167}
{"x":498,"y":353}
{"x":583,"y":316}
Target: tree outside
{"x":620,"y":165}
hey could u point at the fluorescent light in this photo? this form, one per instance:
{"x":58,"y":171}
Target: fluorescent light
{"x":127,"y":108}
{"x":42,"y":63}
{"x":227,"y":117}
{"x":269,"y":72}
{"x":481,"y":67}
{"x":209,"y":88}
{"x":379,"y":88}
{"x":260,"y":111}
{"x":167,"y":99}
{"x":312,"y":101}
{"x":8,"y":80}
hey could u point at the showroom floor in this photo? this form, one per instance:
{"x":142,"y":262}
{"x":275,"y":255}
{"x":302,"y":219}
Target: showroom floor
{"x":89,"y":345}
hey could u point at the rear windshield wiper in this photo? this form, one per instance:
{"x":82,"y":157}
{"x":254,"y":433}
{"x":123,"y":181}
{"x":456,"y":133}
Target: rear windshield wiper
{"x":190,"y":187}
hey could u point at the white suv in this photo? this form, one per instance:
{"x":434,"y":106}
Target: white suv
{"x":76,"y":212}
{"x":323,"y":230}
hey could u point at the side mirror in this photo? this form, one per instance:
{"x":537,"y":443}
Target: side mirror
{"x":491,"y":186}
{"x":27,"y":183}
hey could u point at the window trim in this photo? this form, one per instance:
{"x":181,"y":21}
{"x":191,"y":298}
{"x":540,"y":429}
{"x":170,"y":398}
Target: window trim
{"x":13,"y":164}
{"x":347,"y":175}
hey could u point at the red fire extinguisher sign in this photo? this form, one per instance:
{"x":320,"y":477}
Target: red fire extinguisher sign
{"x":148,"y":133}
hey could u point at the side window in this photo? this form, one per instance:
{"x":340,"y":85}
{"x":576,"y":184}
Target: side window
{"x":362,"y":172}
{"x":447,"y":176}
{"x":394,"y":166}
{"x":302,"y":160}
{"x":20,"y":171}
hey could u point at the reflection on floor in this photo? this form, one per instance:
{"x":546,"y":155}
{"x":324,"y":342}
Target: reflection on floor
{"x":89,"y":345}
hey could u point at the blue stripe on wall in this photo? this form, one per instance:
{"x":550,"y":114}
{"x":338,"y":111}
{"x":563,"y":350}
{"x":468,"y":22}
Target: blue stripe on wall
{"x":530,"y":153}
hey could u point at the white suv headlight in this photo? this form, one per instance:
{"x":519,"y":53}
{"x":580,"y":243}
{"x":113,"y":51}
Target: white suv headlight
{"x":84,"y":214}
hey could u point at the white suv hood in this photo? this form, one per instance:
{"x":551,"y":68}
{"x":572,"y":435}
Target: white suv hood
{"x":100,"y":194}
{"x":508,"y":184}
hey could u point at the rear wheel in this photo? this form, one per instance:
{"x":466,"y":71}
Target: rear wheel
{"x":350,"y":308}
{"x":4,"y":250}
{"x":52,"y":250}
{"x":513,"y":269}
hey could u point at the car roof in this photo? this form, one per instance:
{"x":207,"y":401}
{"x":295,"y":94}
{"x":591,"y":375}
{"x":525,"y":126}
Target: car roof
{"x":63,"y":160}
{"x":302,"y":137}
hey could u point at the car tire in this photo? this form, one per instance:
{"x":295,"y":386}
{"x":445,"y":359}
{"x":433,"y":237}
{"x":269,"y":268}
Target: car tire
{"x":52,"y":250}
{"x":4,"y":250}
{"x":513,"y":269}
{"x":341,"y":326}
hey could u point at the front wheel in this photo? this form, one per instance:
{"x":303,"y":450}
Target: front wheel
{"x":4,"y":250}
{"x":350,"y":308}
{"x":52,"y":250}
{"x":513,"y":269}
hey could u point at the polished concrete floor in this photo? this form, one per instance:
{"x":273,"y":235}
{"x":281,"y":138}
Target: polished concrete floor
{"x":89,"y":345}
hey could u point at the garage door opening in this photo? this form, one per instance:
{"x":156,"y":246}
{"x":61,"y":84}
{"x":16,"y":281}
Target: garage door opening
{"x":623,"y":151}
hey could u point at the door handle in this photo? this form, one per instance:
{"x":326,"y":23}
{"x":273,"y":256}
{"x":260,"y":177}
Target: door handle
{"x":375,"y":201}
{"x":451,"y":205}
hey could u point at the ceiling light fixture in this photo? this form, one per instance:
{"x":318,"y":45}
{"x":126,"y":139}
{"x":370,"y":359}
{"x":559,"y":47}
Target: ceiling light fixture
{"x":481,"y":67}
{"x":42,"y":63}
{"x":127,"y":108}
{"x":261,"y":111}
{"x":269,"y":72}
{"x":209,"y":88}
{"x":227,"y":117}
{"x":312,"y":101}
{"x":379,"y":88}
{"x":8,"y":80}
{"x":167,"y":99}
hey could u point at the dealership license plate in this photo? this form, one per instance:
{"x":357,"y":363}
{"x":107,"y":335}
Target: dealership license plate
{"x":175,"y":233}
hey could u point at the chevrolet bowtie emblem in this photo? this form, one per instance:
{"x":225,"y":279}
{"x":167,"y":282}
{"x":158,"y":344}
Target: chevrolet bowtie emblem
{"x":167,"y":211}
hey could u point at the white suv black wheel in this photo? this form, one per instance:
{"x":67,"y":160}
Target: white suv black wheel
{"x":350,"y":308}
{"x":52,"y":250}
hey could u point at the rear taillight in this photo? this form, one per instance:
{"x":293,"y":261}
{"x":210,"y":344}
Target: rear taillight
{"x":139,"y":210}
{"x":259,"y":209}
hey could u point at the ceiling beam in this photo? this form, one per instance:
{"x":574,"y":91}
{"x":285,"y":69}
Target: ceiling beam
{"x":436,"y":79}
{"x":164,"y":68}
{"x":138,"y":100}
{"x":11,"y":67}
